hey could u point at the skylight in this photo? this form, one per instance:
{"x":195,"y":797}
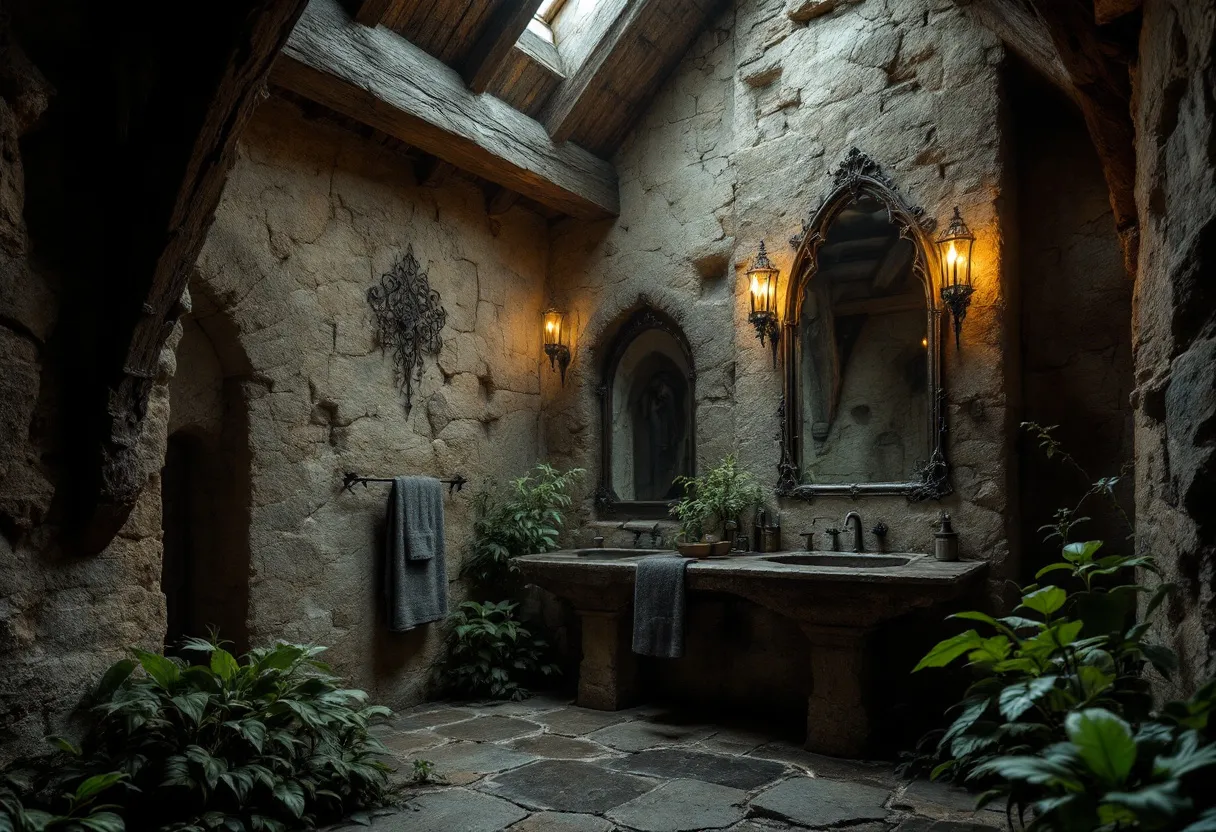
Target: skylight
{"x":548,"y":10}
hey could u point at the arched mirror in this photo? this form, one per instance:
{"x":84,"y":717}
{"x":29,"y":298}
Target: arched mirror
{"x":862,"y":395}
{"x":647,"y":416}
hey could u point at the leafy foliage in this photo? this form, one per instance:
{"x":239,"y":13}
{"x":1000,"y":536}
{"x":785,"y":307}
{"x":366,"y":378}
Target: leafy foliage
{"x":74,"y":811}
{"x":492,"y":653}
{"x":527,"y":520}
{"x":716,"y":497}
{"x":262,"y":745}
{"x":1058,"y":653}
{"x":1107,"y":774}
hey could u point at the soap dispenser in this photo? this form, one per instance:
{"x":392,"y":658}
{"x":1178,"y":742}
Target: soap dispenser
{"x":945,"y":540}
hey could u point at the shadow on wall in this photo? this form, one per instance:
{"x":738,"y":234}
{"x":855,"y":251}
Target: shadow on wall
{"x":1075,"y":320}
{"x":206,"y":483}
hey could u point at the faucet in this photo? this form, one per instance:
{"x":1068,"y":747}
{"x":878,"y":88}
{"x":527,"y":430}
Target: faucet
{"x":638,"y":531}
{"x":859,"y":543}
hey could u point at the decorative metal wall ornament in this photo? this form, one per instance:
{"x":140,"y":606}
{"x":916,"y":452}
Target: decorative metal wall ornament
{"x":859,"y":175}
{"x":409,"y":319}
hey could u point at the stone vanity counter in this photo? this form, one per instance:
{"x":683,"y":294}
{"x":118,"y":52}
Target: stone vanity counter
{"x":836,"y":599}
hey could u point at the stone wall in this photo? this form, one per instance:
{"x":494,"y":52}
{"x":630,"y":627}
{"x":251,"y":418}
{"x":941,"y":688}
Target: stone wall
{"x":1175,"y":323}
{"x":1076,"y":320}
{"x":63,"y":618}
{"x":311,"y":218}
{"x":738,"y":147}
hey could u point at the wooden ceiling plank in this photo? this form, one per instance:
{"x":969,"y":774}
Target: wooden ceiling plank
{"x":573,"y":99}
{"x":384,"y":81}
{"x":493,"y":47}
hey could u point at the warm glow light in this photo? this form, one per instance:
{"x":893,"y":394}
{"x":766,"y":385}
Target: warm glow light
{"x":951,"y":255}
{"x":924,"y":342}
{"x":553,"y":327}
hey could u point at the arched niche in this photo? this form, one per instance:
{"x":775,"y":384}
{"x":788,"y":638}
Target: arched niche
{"x":647,"y":416}
{"x":862,"y":406}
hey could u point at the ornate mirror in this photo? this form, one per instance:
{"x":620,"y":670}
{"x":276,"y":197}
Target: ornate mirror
{"x":862,"y":408}
{"x":647,"y":416}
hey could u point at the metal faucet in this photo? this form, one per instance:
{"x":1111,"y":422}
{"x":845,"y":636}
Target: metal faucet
{"x":859,"y":543}
{"x":637,"y":535}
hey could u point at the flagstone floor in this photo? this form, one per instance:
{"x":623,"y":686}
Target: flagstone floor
{"x":544,"y":764}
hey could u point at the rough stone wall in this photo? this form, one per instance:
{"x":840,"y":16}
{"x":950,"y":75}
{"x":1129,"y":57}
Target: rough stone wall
{"x":738,"y":147}
{"x":311,"y":218}
{"x":1076,"y":320}
{"x":1175,"y":322}
{"x":63,"y":619}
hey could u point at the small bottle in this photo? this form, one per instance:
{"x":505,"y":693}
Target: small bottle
{"x":945,"y":540}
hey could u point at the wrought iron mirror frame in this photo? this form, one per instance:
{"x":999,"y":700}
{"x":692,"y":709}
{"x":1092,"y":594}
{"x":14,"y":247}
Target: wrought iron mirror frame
{"x":644,"y":318}
{"x":859,"y":176}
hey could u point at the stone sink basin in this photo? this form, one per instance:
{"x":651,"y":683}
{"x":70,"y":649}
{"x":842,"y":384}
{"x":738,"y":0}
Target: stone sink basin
{"x":842,"y":560}
{"x":835,"y":598}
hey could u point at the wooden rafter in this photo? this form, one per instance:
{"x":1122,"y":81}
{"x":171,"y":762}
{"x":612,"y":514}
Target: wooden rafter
{"x":495,"y":43}
{"x":384,"y":81}
{"x":175,"y":166}
{"x":1062,"y":40}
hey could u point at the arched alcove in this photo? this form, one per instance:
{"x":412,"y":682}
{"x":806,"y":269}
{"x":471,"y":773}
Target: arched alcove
{"x":205,"y":491}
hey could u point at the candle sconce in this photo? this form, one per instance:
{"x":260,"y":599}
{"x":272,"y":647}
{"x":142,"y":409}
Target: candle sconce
{"x":762,"y":280}
{"x":555,"y":342}
{"x":954,"y":247}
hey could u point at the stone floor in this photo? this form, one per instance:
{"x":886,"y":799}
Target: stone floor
{"x":544,"y":764}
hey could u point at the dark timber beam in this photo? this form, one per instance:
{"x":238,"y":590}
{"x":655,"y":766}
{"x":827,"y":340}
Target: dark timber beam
{"x":375,"y":12}
{"x":576,"y":96}
{"x":159,"y":175}
{"x":384,"y":81}
{"x":1061,"y":39}
{"x":494,"y":46}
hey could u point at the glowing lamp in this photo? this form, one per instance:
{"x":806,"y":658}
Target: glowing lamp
{"x":555,"y":342}
{"x":954,"y":248}
{"x":762,"y":282}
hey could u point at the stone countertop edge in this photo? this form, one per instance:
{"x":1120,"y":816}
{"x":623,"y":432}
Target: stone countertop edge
{"x":924,"y":571}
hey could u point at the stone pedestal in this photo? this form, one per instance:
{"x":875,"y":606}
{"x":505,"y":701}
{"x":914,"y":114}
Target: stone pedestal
{"x":607,"y":677}
{"x":837,"y":722}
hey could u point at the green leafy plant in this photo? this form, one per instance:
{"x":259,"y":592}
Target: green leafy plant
{"x":1068,"y":518}
{"x":1107,"y":774}
{"x":715,"y":498}
{"x":1059,"y":652}
{"x":527,"y":519}
{"x":424,"y":772}
{"x":492,"y":654}
{"x":74,"y":811}
{"x":260,"y":745}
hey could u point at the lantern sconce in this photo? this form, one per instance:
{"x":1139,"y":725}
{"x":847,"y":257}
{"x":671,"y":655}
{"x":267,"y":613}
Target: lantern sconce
{"x":762,"y":279}
{"x":954,"y":248}
{"x":555,"y":342}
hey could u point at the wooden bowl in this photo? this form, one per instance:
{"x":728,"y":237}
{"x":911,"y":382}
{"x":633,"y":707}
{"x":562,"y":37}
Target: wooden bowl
{"x":704,"y":550}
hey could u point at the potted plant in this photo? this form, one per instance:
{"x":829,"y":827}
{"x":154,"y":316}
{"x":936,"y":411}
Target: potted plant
{"x":710,"y":501}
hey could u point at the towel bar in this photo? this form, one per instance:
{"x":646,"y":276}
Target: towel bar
{"x":456,"y":483}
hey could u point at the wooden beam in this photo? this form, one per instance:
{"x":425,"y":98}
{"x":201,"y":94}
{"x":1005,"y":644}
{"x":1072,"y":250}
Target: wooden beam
{"x":1098,"y":63}
{"x":169,"y":159}
{"x":572,"y":100}
{"x":1108,"y":11}
{"x":494,"y":45}
{"x":374,"y":12}
{"x":380,"y":79}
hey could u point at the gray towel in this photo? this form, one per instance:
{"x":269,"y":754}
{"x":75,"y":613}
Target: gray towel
{"x":658,"y":606}
{"x":415,"y":572}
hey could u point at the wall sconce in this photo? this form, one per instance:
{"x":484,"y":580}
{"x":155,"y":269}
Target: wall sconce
{"x":555,"y":342}
{"x":762,"y":278}
{"x":954,"y":246}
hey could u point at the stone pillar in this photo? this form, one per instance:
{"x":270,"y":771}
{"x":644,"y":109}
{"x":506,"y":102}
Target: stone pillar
{"x":607,"y":677}
{"x":837,"y":723}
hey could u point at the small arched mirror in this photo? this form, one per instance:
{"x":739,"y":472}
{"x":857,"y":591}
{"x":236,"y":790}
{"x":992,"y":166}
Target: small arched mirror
{"x":862,"y":368}
{"x":647,"y":416}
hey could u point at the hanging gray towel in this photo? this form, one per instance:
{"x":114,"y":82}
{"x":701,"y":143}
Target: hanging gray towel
{"x":658,"y":606}
{"x":415,"y":571}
